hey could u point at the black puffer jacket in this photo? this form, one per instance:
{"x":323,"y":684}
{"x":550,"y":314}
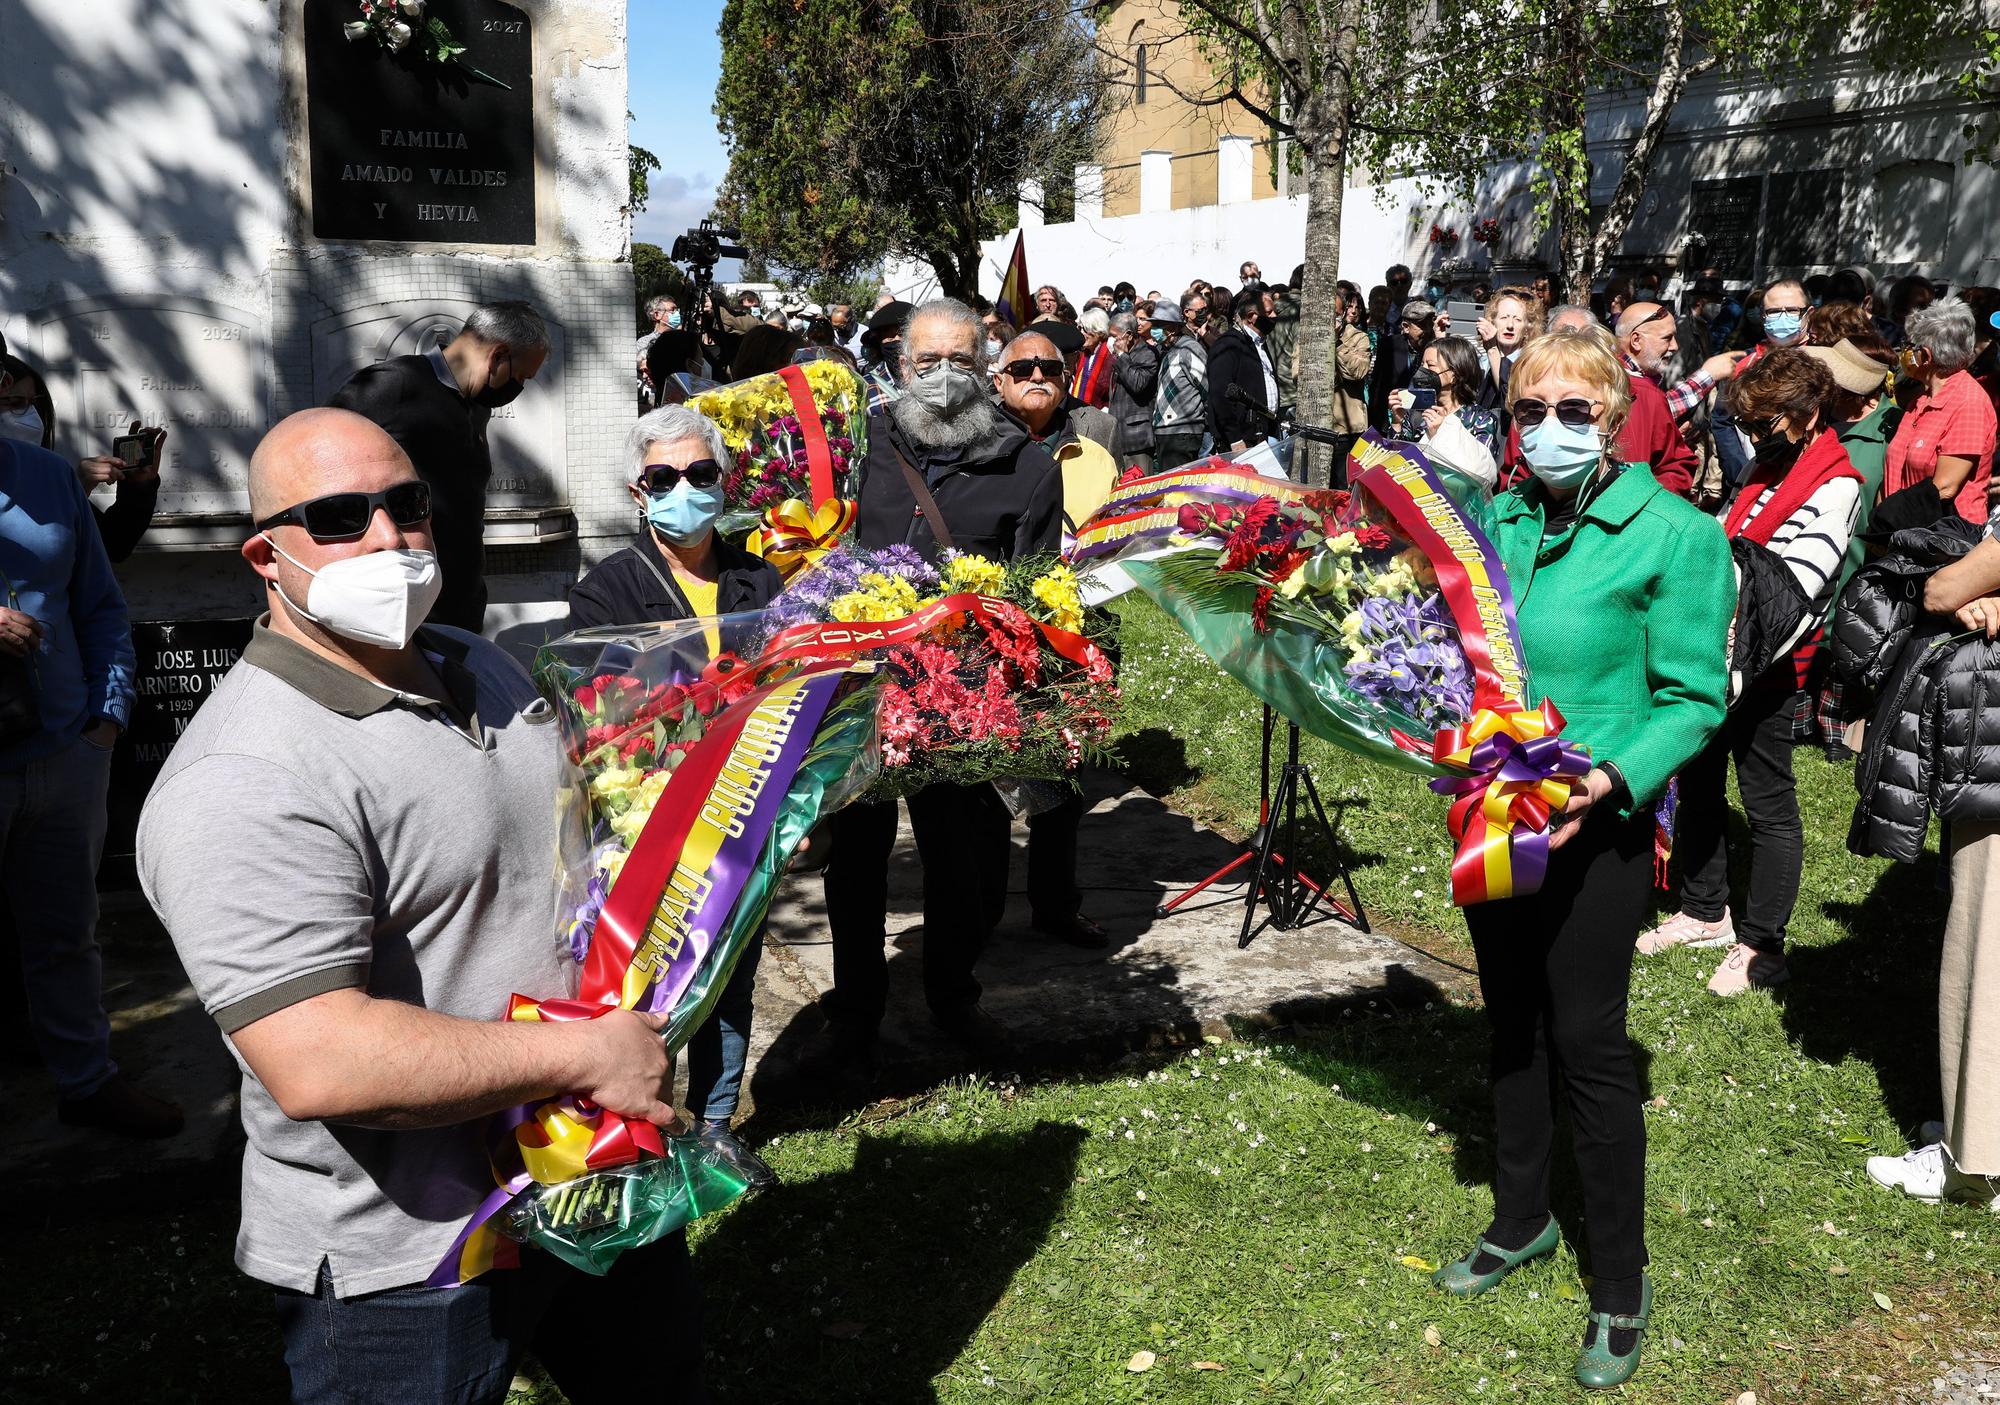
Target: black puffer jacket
{"x":1934,"y":737}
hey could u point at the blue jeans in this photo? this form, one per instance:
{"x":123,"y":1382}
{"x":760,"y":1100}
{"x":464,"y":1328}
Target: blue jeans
{"x":1728,"y":442}
{"x":461,"y":1346}
{"x":721,"y":1047}
{"x":51,"y":835}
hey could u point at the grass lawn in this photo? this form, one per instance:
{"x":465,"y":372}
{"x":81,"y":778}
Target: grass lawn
{"x":1259,"y":1215}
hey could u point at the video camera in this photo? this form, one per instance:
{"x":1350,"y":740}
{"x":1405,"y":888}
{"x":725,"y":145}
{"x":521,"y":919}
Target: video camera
{"x":702,"y":248}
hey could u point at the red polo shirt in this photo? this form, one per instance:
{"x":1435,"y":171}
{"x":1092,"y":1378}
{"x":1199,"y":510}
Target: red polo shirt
{"x":1958,"y":422}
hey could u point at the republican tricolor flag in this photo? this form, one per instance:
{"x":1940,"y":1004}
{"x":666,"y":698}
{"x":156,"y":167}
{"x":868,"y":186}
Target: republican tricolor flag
{"x":1014,"y":303}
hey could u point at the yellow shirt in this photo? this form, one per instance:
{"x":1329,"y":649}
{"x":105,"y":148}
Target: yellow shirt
{"x":701,"y":599}
{"x":1089,"y":473}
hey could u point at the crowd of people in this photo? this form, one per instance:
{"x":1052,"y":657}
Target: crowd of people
{"x":1733,"y":524}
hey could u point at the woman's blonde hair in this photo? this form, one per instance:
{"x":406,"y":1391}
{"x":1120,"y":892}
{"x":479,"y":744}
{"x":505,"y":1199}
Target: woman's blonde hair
{"x":1577,"y":356}
{"x":1531,"y":324}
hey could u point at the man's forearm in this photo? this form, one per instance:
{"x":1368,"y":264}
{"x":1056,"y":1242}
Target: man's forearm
{"x":1974,"y":574}
{"x":392,"y":1065}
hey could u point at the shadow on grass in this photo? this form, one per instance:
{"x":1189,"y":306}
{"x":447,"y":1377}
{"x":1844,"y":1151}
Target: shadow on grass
{"x":868,"y":1283}
{"x":1156,"y":760}
{"x":1873,"y":995}
{"x":1416,"y":1055}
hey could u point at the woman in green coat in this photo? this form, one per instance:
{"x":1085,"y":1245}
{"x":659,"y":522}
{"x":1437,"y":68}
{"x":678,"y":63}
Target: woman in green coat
{"x":1624,"y":595}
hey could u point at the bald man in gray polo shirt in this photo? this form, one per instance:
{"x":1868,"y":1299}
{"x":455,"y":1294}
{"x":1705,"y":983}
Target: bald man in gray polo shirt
{"x":352,"y":847}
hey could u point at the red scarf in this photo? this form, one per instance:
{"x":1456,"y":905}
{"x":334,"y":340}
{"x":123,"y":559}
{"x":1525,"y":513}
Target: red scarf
{"x":1823,"y":461}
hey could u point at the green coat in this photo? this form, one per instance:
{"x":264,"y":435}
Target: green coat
{"x":1625,"y":618}
{"x":1867,"y":445}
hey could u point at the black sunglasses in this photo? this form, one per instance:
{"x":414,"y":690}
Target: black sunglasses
{"x":339,"y":517}
{"x":660,"y":478}
{"x":1573,"y":411}
{"x":1051,"y":368}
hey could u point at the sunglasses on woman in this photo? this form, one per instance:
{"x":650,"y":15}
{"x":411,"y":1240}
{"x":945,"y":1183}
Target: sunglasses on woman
{"x":661,"y":478}
{"x":342,"y":517}
{"x":1574,"y":411}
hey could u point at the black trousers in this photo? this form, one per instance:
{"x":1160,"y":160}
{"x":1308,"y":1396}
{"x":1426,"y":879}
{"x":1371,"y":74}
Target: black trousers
{"x":1554,"y":968}
{"x":1757,"y":735}
{"x":1053,"y":896}
{"x":961,"y":834}
{"x":1174,"y":450}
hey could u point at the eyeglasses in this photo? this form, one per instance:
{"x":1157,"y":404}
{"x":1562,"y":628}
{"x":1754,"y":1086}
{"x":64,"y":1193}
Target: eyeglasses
{"x":930,"y":360}
{"x":1799,"y":311}
{"x":1760,"y":429}
{"x":659,"y":479}
{"x":1050,"y":367}
{"x":1574,"y":411}
{"x":341,"y":517}
{"x":1655,"y":315}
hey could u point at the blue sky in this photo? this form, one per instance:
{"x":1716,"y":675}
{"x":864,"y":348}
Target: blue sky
{"x":673,"y":62}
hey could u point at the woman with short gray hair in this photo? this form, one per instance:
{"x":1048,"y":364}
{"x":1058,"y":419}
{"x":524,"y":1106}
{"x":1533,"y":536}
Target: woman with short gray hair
{"x":1946,"y":435}
{"x":1092,"y":382}
{"x":676,"y":462}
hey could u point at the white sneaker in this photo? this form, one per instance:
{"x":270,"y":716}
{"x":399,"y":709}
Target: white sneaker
{"x":1927,"y":1174}
{"x":1745,"y":968}
{"x":1684,"y":930}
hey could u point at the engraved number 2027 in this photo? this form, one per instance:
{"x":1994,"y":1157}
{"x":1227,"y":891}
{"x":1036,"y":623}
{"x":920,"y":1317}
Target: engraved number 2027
{"x":501,"y":27}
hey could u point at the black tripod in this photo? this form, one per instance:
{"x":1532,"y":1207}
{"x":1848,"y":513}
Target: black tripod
{"x":1277,"y":881}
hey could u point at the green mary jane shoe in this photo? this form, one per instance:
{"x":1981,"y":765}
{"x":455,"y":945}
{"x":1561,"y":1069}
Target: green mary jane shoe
{"x":1597,"y":1366}
{"x":1460,"y":1281}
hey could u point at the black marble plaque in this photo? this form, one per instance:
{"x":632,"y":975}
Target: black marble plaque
{"x":180,"y":662}
{"x":1727,"y":212}
{"x":403,"y":148}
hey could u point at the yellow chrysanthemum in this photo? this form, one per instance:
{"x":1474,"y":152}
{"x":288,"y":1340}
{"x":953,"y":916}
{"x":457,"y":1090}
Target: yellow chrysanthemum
{"x":974,"y":573}
{"x":1056,"y":592}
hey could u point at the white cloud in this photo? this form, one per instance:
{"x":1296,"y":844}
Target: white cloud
{"x":674,"y":205}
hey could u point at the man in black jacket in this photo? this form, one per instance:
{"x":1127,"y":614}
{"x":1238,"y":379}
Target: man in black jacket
{"x":1240,"y":359}
{"x":435,"y":406}
{"x":988,"y":489}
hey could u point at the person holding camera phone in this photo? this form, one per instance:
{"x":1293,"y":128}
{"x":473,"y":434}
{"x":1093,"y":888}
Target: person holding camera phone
{"x":1445,"y":385}
{"x":28,"y":415}
{"x":66,"y":688}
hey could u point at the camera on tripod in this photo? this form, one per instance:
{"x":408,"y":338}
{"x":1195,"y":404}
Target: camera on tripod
{"x":703,"y":248}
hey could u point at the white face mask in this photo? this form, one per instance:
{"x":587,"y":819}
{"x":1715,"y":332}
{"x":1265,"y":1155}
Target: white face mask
{"x":377,"y":599}
{"x":24,"y":425}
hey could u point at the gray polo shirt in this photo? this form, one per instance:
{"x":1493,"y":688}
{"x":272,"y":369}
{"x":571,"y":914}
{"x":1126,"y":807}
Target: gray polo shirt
{"x":313,"y":831}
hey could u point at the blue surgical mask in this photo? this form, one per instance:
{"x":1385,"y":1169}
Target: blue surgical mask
{"x":1562,"y":455}
{"x":684,"y":514}
{"x":674,"y":321}
{"x":1159,"y":336}
{"x":24,"y":425}
{"x":1782,"y":326}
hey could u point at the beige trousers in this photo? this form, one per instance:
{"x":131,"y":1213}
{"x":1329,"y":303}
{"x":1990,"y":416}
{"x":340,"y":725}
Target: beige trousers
{"x":1969,"y":1001}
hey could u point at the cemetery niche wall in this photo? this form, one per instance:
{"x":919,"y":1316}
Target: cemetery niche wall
{"x":212,"y":215}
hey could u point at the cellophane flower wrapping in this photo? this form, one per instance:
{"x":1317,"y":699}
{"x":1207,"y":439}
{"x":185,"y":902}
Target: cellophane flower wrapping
{"x":1020,"y":688}
{"x":1322,"y":611}
{"x":1380,"y":620}
{"x":634,"y":706}
{"x":762,"y":422}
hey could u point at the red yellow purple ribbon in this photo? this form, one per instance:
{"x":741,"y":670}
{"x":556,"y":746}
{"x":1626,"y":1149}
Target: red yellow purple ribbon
{"x":1522,"y":775}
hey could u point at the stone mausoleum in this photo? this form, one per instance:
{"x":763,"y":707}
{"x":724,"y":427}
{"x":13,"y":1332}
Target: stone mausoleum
{"x":212,"y":214}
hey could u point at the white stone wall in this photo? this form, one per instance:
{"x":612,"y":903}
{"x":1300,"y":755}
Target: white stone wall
{"x":1909,"y":205}
{"x":155,"y":259}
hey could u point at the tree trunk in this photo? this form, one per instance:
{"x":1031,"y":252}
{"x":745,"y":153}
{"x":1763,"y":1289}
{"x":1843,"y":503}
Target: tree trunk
{"x":1668,"y":86}
{"x":1566,"y":154}
{"x":1324,"y":120}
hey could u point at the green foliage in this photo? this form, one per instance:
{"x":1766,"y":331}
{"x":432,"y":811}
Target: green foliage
{"x":439,"y":43}
{"x":863,"y":128}
{"x":640,"y":164}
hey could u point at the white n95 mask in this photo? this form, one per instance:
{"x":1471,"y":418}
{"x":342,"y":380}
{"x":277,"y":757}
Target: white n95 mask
{"x":377,"y":599}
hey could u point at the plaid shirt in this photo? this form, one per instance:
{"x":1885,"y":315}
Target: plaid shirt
{"x":1957,"y":422}
{"x":1683,"y":398}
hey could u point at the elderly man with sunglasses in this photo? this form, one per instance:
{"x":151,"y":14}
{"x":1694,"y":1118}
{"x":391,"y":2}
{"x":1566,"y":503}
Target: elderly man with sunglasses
{"x":350,"y":847}
{"x":945,"y":469}
{"x":1648,"y":339}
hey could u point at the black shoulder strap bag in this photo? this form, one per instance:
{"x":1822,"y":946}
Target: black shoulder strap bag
{"x":927,"y":507}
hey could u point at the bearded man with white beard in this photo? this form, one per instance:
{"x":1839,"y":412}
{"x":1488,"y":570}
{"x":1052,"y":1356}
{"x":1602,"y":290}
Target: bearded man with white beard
{"x":945,"y":469}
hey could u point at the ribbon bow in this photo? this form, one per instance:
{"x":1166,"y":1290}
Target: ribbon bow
{"x":794,"y":534}
{"x":1522,"y":774}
